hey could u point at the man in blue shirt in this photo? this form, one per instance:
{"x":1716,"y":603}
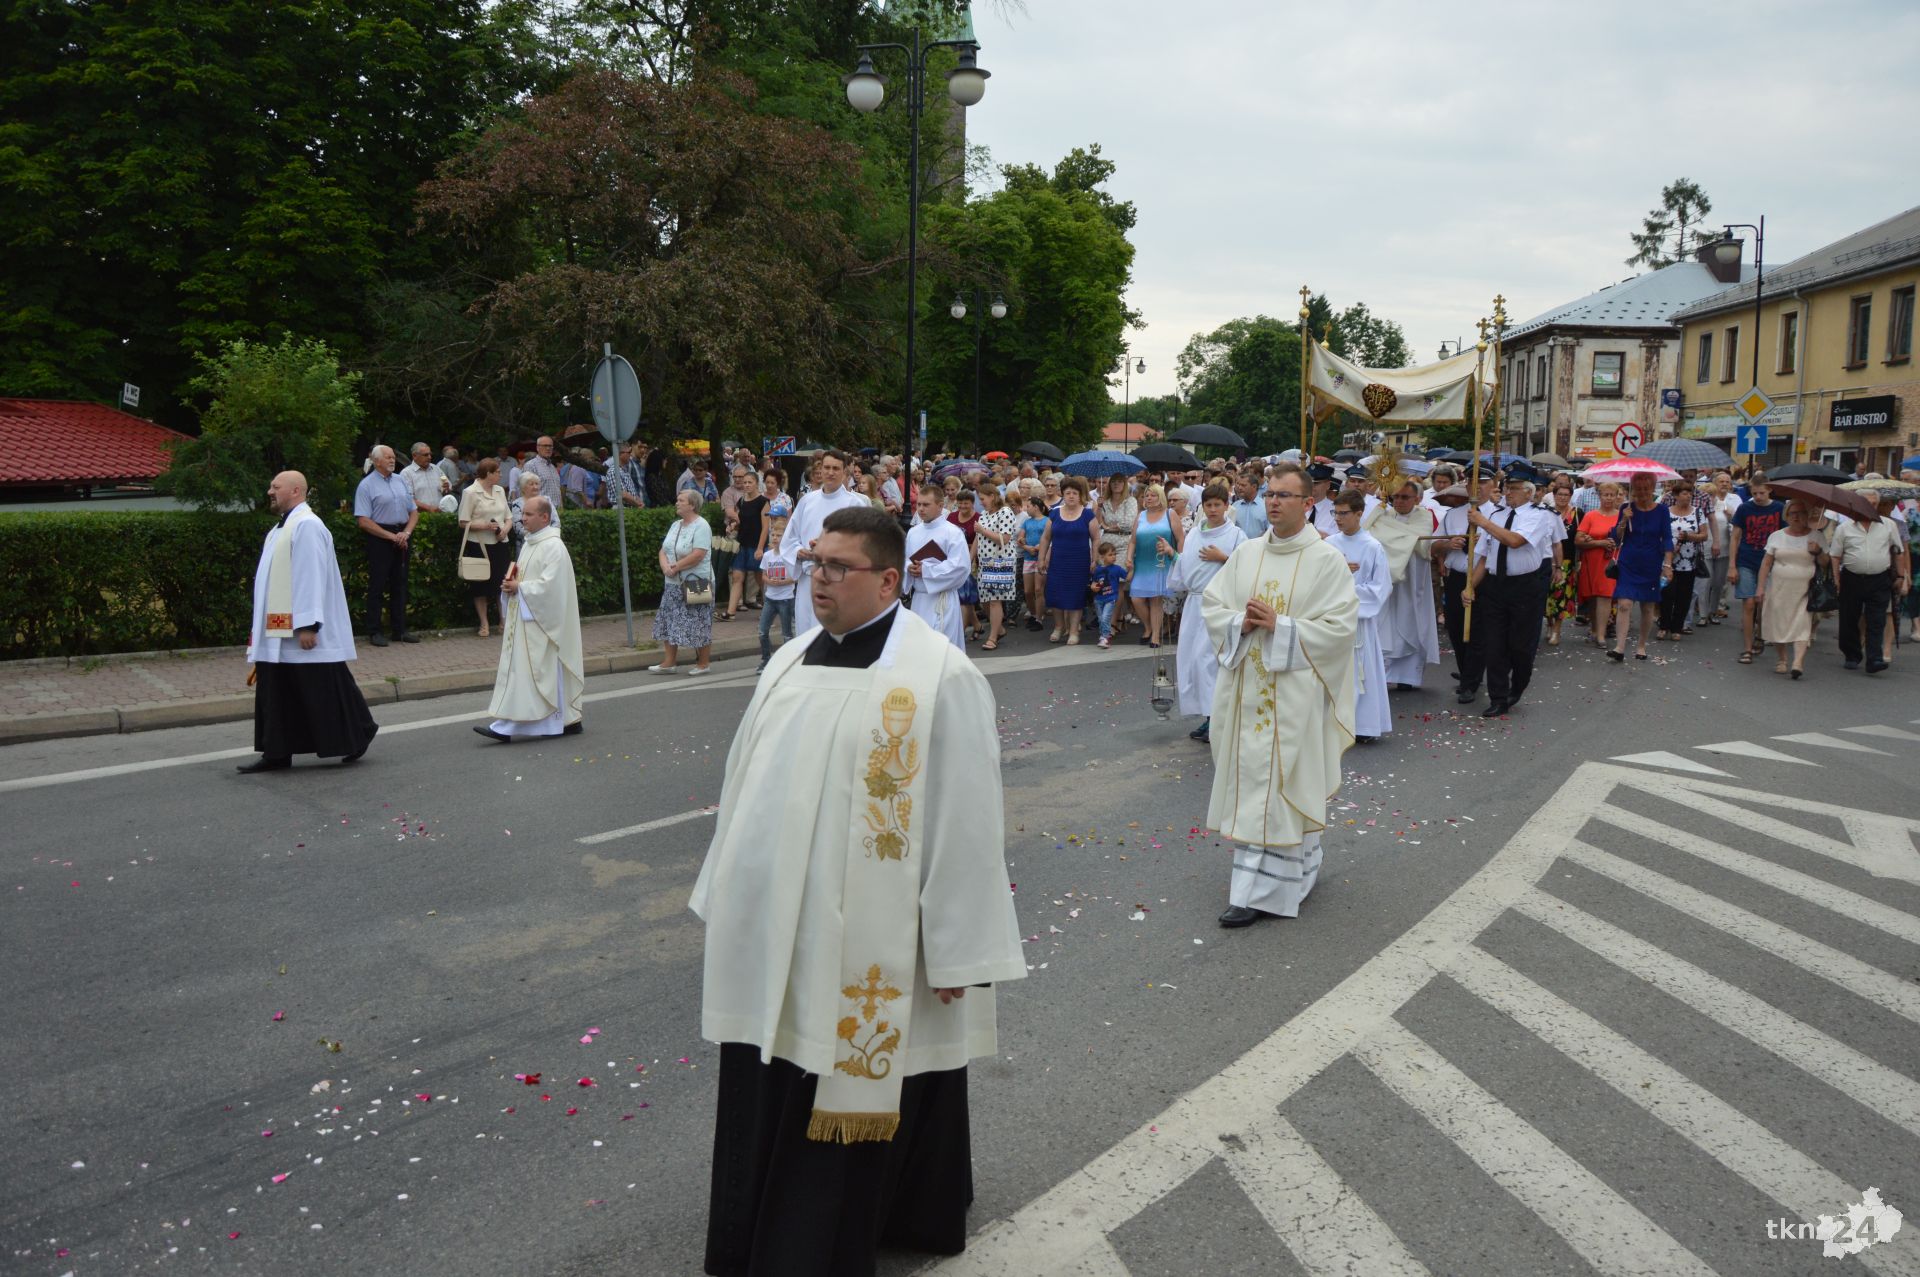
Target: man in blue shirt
{"x":1249,"y":509}
{"x":384,"y":507}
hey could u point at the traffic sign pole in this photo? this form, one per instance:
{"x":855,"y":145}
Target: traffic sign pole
{"x":616,"y":410}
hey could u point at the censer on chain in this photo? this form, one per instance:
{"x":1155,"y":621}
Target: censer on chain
{"x":1162,"y":698}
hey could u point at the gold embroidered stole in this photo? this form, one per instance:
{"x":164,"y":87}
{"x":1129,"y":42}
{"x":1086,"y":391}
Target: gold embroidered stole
{"x":279,"y":621}
{"x":880,"y":903}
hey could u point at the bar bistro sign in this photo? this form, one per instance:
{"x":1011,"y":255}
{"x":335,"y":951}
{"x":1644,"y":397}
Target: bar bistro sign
{"x":1865,"y":414}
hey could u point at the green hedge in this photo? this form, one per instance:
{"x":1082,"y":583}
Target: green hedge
{"x":75,"y":584}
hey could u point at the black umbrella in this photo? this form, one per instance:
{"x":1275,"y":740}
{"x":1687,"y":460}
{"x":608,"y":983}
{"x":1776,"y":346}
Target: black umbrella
{"x":1165,"y":456}
{"x":1035,"y":448}
{"x":1809,"y":470}
{"x":1348,"y":454}
{"x":1207,"y":435}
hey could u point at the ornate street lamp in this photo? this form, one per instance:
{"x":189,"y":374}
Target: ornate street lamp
{"x":1726,"y":251}
{"x":1126,"y":402}
{"x":998,"y":309}
{"x":866,"y":91}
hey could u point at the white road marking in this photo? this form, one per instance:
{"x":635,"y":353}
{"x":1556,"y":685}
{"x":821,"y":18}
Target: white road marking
{"x":1696,"y":1114}
{"x":1326,"y":1226}
{"x":1894,"y":1096}
{"x":1899,"y":996}
{"x":1661,"y":758}
{"x":1747,"y":749}
{"x":1607,"y":1230}
{"x":1884,"y":733}
{"x":649,"y":826}
{"x":1831,"y":742}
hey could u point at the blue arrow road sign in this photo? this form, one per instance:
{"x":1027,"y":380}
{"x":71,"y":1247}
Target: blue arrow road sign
{"x":1752,"y":440}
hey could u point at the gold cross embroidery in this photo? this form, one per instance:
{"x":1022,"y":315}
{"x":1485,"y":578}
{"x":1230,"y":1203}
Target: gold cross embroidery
{"x":871,"y":994}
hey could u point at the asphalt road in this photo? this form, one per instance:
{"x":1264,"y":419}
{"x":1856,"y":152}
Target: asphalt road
{"x":185,"y":948}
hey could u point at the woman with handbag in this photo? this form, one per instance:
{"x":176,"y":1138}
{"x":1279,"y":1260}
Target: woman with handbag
{"x":1788,"y":586}
{"x":485,"y":521}
{"x":1594,"y":540}
{"x":996,"y":549}
{"x":685,"y":615}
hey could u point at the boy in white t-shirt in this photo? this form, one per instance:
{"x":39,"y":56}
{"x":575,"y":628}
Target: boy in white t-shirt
{"x":780,"y":582}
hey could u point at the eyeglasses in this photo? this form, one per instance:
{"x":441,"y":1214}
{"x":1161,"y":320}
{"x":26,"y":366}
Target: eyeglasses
{"x":1284,"y":496}
{"x":834,"y":573}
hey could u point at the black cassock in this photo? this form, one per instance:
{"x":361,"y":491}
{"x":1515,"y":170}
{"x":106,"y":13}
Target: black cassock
{"x":309,"y":709}
{"x":787,"y":1206}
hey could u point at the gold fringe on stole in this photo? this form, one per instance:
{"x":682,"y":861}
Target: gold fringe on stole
{"x":851,"y":1128}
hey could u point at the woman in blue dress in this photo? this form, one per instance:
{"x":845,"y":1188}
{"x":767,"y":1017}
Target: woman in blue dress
{"x":1066,"y":558}
{"x":1645,"y":537}
{"x":1157,"y":539}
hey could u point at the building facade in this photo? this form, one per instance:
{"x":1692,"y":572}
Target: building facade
{"x":1835,"y":331}
{"x":1592,"y":370}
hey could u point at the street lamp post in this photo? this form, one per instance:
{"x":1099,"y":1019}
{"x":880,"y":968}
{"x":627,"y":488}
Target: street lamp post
{"x":1727,"y":253}
{"x":866,"y":90}
{"x":1129,"y":367}
{"x":998,"y":309}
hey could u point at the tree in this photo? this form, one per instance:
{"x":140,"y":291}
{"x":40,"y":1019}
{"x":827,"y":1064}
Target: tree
{"x":1683,"y":205}
{"x":268,"y":408}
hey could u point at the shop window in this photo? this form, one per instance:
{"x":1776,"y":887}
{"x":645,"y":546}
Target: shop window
{"x":1789,"y":342}
{"x":1703,"y":370}
{"x":1607,"y":366}
{"x":1859,"y":320}
{"x":1730,"y":359}
{"x":1900,"y":326}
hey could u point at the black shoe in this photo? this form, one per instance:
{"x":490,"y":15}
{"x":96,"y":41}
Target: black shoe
{"x":1494,"y":710}
{"x":264,"y":764}
{"x":1467,"y":696}
{"x":356,"y":756}
{"x":377,"y":639}
{"x":1365,"y":740}
{"x":1513,"y":698}
{"x":1240,"y":916}
{"x":1618,"y":658}
{"x":490,"y":734}
{"x":1851,"y":665}
{"x":408,"y":637}
{"x":573,"y":729}
{"x":1874,"y":667}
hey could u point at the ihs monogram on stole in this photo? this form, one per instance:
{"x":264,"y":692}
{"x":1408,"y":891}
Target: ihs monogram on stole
{"x":888,"y":775}
{"x":1274,"y":597}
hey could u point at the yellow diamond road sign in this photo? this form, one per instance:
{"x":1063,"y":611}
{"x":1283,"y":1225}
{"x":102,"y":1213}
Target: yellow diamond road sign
{"x":1754,"y":405}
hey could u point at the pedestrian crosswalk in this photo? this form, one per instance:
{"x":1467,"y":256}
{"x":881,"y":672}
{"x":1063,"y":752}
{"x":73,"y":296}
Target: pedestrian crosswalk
{"x":1682,"y":943}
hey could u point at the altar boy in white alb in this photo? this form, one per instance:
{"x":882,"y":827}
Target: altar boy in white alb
{"x":810,"y":514}
{"x":538,"y":689}
{"x":1283,"y":614}
{"x":305,"y":701}
{"x":935,"y":575}
{"x":1372,"y":714}
{"x":856,"y":900}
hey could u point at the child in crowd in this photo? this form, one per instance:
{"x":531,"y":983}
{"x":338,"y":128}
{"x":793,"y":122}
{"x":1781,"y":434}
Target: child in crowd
{"x":1031,"y":530}
{"x":1107,"y":580}
{"x":779,"y":582}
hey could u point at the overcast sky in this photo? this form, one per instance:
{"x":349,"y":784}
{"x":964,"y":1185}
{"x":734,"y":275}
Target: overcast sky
{"x":1422,"y":157}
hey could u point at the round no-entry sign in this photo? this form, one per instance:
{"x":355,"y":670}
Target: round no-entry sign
{"x":1626,"y":437}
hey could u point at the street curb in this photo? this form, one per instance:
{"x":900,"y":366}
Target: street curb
{"x":228,"y":709}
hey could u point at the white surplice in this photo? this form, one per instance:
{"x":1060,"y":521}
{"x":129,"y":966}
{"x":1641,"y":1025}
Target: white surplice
{"x":773,"y":889}
{"x":319,"y":596}
{"x":803,"y":529}
{"x":1282,"y":710}
{"x":1409,"y":634}
{"x":934,"y":595}
{"x":1372,"y":714}
{"x":541,"y":678}
{"x":1197,"y":662}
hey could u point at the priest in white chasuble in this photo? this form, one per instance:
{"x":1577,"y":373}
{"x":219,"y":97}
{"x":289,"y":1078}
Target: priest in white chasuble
{"x":858,"y":913}
{"x":938,"y":563}
{"x":1283,"y":614}
{"x":1409,"y":631}
{"x":541,"y":680}
{"x":305,"y":700}
{"x":810,"y":514}
{"x":1372,"y":714}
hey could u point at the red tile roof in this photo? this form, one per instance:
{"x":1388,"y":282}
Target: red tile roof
{"x":1122,"y":431}
{"x":61,"y":441}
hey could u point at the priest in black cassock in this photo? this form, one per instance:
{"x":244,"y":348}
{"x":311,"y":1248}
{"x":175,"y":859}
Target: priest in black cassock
{"x":850,"y":955}
{"x":305,"y":700}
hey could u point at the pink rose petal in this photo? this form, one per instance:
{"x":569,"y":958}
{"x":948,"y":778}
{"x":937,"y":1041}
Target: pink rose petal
{"x":281,"y":1178}
{"x":279,"y":1016}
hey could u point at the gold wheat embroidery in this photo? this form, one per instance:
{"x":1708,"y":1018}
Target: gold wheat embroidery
{"x":869,"y":1058}
{"x":891,"y":766}
{"x":1272,"y":595}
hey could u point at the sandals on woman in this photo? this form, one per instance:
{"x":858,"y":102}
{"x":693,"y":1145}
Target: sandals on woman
{"x":1746,"y":658}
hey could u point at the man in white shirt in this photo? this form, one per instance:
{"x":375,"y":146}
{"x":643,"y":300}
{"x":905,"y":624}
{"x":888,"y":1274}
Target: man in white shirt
{"x":1320,"y":509}
{"x":425,"y":480}
{"x":1513,"y":546}
{"x":809,"y":517}
{"x":1870,"y":557}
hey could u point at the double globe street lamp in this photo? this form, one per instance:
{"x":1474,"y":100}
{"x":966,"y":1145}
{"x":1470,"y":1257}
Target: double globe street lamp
{"x":998,"y":309}
{"x":866,"y":90}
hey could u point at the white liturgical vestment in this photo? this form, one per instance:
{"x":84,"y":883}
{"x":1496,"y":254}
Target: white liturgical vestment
{"x":1372,"y":715}
{"x":1409,"y":634}
{"x":317,"y":595}
{"x":803,"y":529}
{"x":1198,"y":663}
{"x":934,"y":595}
{"x":541,"y":678}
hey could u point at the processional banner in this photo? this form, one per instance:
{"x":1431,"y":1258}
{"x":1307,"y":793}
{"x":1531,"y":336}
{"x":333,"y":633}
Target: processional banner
{"x":1405,"y":396}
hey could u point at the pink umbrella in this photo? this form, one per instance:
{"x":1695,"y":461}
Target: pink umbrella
{"x":1627,"y":467}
